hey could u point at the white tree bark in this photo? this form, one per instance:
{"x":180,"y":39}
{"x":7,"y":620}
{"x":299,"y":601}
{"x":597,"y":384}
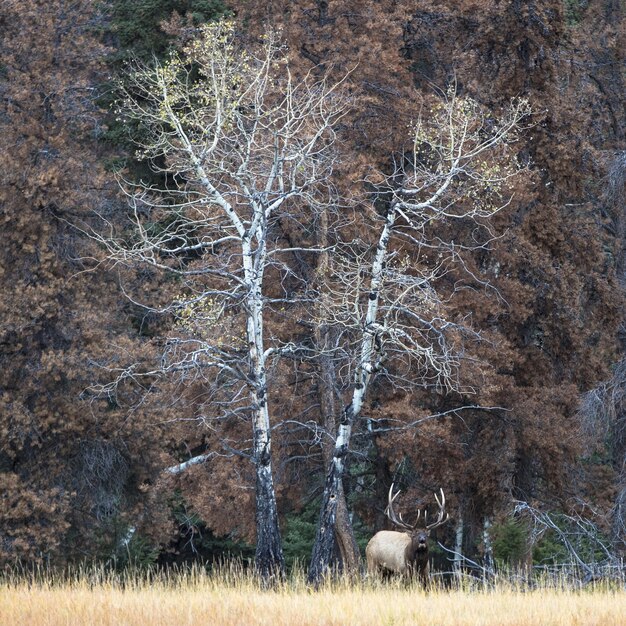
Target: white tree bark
{"x":242,"y":139}
{"x":488,"y":547}
{"x":458,"y":547}
{"x":402,"y":321}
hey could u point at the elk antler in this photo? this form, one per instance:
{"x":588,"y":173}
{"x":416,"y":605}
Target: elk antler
{"x":442,"y":516}
{"x":389,"y":512}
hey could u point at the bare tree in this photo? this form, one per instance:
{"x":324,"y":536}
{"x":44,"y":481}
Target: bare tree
{"x":602,"y":415}
{"x":237,"y":141}
{"x":589,"y":552}
{"x":382,"y":299}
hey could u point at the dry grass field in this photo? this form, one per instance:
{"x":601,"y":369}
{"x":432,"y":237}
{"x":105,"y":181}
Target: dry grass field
{"x":196,"y":598}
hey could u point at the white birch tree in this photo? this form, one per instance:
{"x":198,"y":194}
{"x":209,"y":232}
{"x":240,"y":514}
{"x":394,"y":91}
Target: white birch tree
{"x":383,"y":299}
{"x":237,"y":141}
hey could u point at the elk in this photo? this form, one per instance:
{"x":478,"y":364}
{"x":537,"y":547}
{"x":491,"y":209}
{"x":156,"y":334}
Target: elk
{"x":406,"y":552}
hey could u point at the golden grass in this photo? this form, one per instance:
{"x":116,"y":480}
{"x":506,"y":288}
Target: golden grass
{"x":197,"y":598}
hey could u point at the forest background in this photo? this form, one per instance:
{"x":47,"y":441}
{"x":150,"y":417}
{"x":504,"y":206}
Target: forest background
{"x":107,"y":476}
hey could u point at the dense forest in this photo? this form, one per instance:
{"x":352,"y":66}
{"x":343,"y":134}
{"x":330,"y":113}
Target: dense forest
{"x":356,"y":244}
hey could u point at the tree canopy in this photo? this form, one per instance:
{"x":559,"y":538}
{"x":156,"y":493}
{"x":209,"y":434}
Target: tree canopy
{"x":298,"y":228}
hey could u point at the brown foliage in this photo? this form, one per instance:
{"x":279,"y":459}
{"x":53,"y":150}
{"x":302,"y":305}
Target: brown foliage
{"x":552,"y":305}
{"x":63,"y":460}
{"x":548,"y":316}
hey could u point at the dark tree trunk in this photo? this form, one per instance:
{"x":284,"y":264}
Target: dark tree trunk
{"x":346,"y":557}
{"x":383,"y":478}
{"x":368,"y":362}
{"x":324,"y":547}
{"x":349,"y":555}
{"x":335,"y":547}
{"x":269,"y":560}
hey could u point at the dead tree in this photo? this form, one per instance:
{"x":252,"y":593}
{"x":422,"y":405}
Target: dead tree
{"x":238,"y":141}
{"x":384,"y":303}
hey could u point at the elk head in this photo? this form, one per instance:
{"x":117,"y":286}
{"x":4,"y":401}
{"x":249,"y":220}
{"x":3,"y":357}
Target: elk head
{"x":404,"y":552}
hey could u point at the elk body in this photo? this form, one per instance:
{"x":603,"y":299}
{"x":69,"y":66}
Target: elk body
{"x":405,"y":552}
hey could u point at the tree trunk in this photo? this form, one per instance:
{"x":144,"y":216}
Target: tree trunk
{"x":342,"y":553}
{"x":323,"y":548}
{"x":458,"y":549}
{"x":382,"y":478}
{"x":321,"y":558}
{"x":488,"y":556}
{"x":269,"y":560}
{"x":345,"y":554}
{"x":349,"y":555}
